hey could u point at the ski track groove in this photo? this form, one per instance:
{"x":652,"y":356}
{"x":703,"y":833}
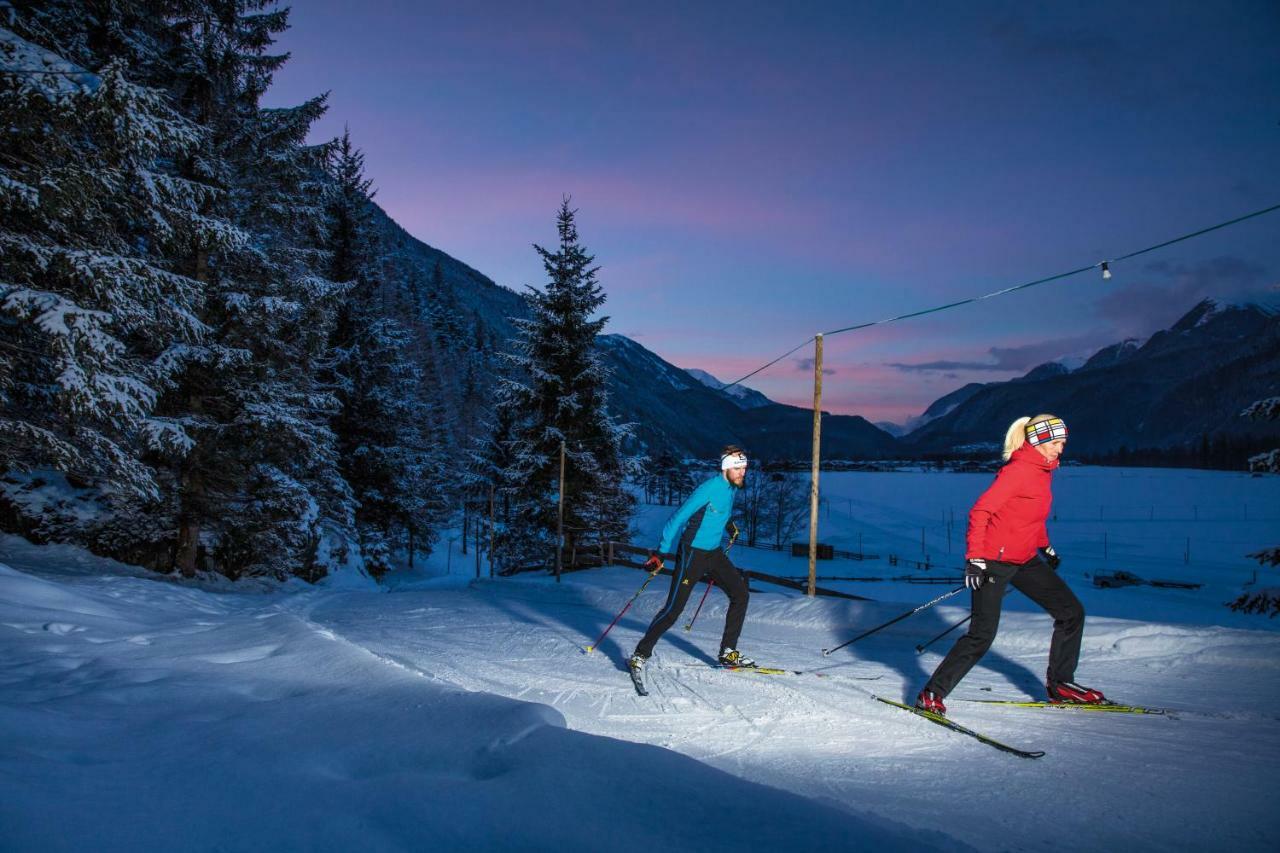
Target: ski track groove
{"x":796,"y":732}
{"x":800,"y":733}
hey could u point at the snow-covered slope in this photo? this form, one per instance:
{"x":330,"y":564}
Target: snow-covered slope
{"x":456,"y":713}
{"x":142,"y":715}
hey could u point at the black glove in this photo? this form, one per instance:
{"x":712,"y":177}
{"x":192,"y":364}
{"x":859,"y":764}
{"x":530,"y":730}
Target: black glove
{"x":654,"y":563}
{"x":733,"y":532}
{"x":1051,"y":557}
{"x":975,"y":572}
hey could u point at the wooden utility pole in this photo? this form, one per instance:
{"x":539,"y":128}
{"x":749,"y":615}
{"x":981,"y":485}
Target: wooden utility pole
{"x":817,"y":454}
{"x":560,"y":518}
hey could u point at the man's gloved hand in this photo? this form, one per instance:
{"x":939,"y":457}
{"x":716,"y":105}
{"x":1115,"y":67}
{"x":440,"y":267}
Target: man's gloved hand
{"x":975,"y":572}
{"x":654,"y":563}
{"x":733,"y":532}
{"x":1051,"y":557}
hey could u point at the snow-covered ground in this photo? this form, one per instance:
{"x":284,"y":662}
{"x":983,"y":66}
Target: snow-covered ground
{"x":449,"y":714}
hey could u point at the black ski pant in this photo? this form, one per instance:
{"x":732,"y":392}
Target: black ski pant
{"x":1037,"y":582}
{"x":693,"y":568}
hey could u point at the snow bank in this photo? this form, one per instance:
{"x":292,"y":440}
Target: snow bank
{"x":144,"y":714}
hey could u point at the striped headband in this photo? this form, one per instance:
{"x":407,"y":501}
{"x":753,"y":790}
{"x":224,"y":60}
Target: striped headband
{"x":733,"y":461}
{"x":1046,"y":430}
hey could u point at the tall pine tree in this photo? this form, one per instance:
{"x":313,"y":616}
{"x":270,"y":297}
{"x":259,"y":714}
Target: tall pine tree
{"x":390,"y":438}
{"x":559,"y":396}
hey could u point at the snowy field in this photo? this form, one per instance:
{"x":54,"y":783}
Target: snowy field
{"x":445,"y":713}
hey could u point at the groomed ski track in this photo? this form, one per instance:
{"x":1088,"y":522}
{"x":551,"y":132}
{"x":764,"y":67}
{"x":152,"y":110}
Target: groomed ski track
{"x":1190,"y":783}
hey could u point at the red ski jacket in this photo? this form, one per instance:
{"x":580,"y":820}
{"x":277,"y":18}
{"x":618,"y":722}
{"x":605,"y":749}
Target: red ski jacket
{"x":1007,"y":522}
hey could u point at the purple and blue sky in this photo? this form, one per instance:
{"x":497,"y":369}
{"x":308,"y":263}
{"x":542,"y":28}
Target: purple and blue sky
{"x":748,"y":174}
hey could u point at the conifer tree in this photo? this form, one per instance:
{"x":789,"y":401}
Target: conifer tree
{"x":392,"y":454}
{"x":94,"y":307}
{"x":262,"y":486}
{"x":559,"y":396}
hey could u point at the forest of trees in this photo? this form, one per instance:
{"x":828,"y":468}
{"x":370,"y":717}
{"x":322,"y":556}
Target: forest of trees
{"x":208,"y":361}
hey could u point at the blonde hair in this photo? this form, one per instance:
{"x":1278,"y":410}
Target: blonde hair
{"x":1016,"y":435}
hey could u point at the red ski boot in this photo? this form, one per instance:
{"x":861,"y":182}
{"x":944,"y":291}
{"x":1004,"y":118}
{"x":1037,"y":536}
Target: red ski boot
{"x":931,"y":702}
{"x":1069,"y":693}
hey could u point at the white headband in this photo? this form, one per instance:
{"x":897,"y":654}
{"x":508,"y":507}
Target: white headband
{"x":733,"y":461}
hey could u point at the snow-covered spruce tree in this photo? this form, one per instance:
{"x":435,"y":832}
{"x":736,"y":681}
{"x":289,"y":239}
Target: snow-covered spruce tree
{"x":1266,"y":600}
{"x":559,"y":396}
{"x":488,"y":457}
{"x":261,"y":490}
{"x":93,"y":298}
{"x":391,"y":453}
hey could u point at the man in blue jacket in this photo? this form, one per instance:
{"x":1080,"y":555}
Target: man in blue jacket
{"x":707,"y":512}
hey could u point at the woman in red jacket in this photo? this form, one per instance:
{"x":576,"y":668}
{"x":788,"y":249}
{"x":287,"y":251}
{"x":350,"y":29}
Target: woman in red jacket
{"x":1008,"y":544}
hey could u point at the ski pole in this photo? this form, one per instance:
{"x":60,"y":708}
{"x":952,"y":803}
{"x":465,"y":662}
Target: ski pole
{"x":591,"y":648}
{"x":689,"y":625}
{"x":927,"y":604}
{"x":920,"y":648}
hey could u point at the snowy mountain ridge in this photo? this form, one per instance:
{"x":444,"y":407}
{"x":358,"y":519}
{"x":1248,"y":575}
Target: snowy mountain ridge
{"x":670,"y":408}
{"x":1177,"y":387}
{"x":748,"y":398}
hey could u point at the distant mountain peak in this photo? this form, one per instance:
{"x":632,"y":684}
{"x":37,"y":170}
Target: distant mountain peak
{"x":1112,"y":354}
{"x":704,"y":377}
{"x":1167,"y":391}
{"x":745,"y":397}
{"x":1211,"y":308}
{"x":1044,"y":371}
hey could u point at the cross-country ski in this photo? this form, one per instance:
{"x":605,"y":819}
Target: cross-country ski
{"x":1102,"y":707}
{"x":952,"y":725}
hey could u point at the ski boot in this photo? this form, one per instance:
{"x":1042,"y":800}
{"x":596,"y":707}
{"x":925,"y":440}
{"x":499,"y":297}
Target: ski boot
{"x":635,"y":667}
{"x":1069,"y":693}
{"x":734,"y":659}
{"x":931,"y":702}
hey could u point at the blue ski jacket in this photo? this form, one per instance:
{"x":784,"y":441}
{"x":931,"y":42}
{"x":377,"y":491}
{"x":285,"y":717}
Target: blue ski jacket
{"x":713,"y":500}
